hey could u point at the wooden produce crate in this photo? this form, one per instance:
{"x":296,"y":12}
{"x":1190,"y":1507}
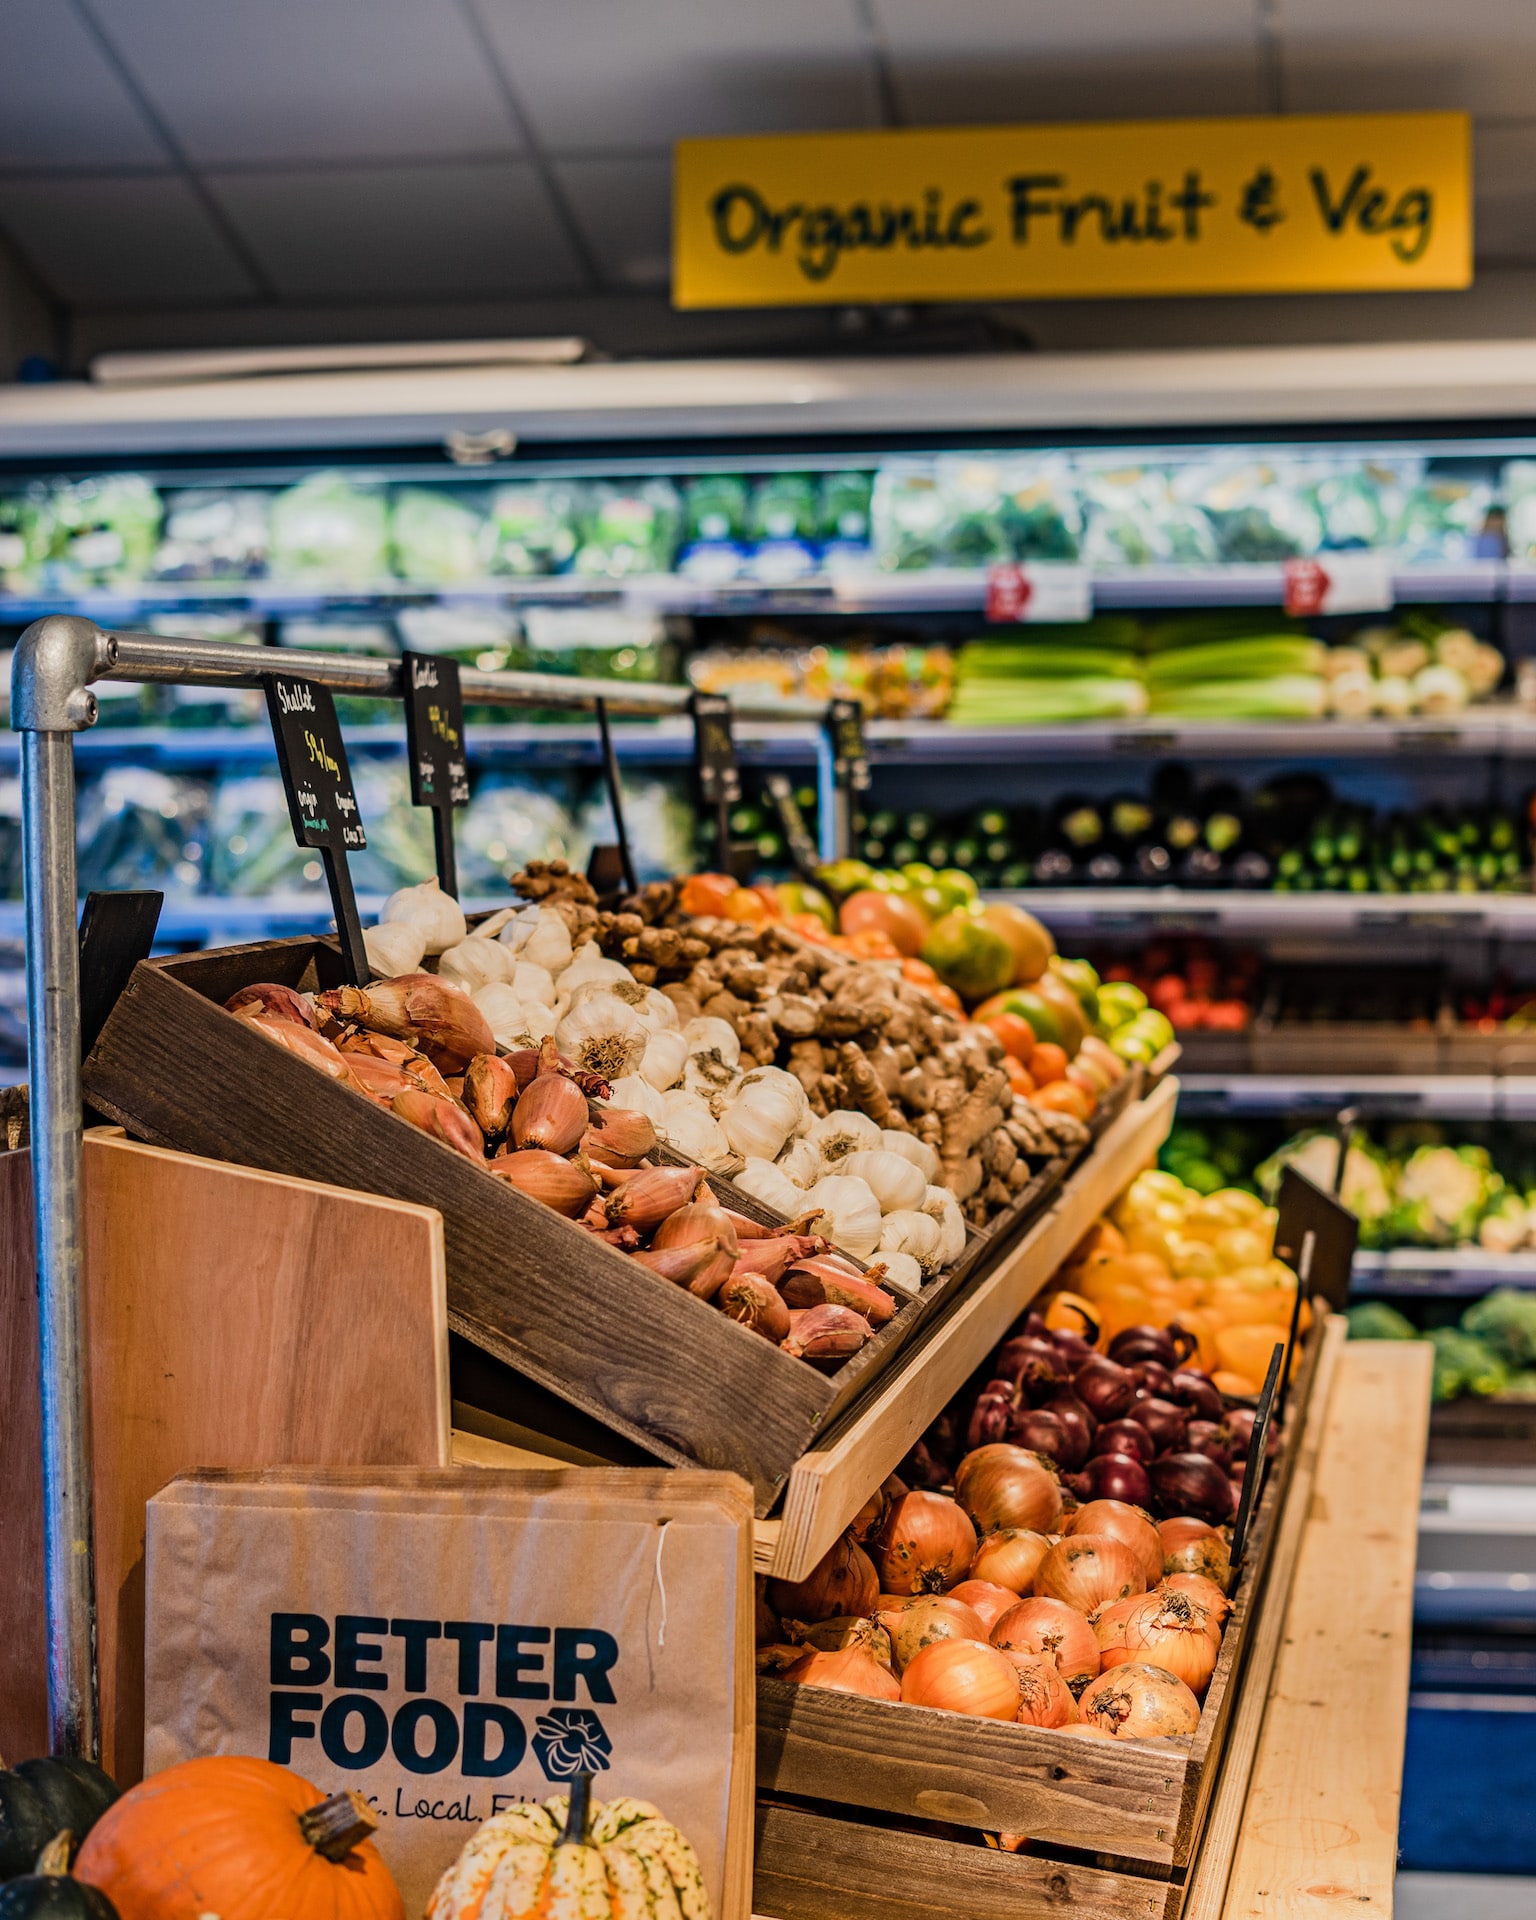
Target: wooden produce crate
{"x":643,"y":1357}
{"x":1113,"y":1828}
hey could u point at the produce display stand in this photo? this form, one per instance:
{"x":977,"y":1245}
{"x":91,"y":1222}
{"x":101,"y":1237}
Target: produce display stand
{"x":55,"y":663}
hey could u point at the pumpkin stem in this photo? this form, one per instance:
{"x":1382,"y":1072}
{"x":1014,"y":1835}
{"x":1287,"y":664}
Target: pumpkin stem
{"x":578,"y":1812}
{"x":53,"y":1861}
{"x":337,"y":1825}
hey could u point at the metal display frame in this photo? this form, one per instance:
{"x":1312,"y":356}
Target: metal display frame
{"x":56,"y":661}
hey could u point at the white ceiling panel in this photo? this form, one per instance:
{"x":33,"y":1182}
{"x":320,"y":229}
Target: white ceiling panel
{"x":143,"y":240}
{"x":966,"y":61}
{"x":596,"y":75}
{"x":60,"y":102}
{"x":292,"y":80}
{"x":624,"y":207}
{"x":401,"y":231}
{"x":1358,"y":57}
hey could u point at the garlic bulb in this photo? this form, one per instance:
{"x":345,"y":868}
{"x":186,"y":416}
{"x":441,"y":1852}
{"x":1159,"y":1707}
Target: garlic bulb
{"x":850,"y":1213}
{"x":945,"y":1208}
{"x":476,"y":963}
{"x":759,"y":1119}
{"x":787,"y":1084}
{"x":917,"y":1234}
{"x":666,"y":1054}
{"x":532,"y":982}
{"x":801,"y":1163}
{"x":438,"y":914}
{"x":399,"y":947}
{"x":645,"y":1001}
{"x":707,"y":1035}
{"x":893,"y":1179}
{"x":634,"y":1091}
{"x":492,"y":924}
{"x":590,"y":969}
{"x":544,"y":939}
{"x":765,"y":1182}
{"x":901,"y":1270}
{"x":843,"y":1133}
{"x":687,"y":1125}
{"x":917,"y":1151}
{"x":515,"y":1022}
{"x":601,"y":1035}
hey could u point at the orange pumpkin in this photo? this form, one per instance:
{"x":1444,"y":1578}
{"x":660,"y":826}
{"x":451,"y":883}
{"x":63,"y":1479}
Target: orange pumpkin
{"x":240,"y":1838}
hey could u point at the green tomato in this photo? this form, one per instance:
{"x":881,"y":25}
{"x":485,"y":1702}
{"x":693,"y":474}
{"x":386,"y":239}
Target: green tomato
{"x":1135,"y":1046}
{"x":958,"y":886}
{"x":919,"y":873}
{"x":846,"y":876}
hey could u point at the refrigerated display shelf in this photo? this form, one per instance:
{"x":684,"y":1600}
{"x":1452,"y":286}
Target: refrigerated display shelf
{"x":191,"y":920}
{"x":1431,"y":1270}
{"x":1086,"y":911}
{"x":1470,"y":1096}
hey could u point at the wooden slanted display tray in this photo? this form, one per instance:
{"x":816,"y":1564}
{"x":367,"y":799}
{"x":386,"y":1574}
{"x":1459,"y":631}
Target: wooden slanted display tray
{"x":643,"y":1357}
{"x":853,"y":1788}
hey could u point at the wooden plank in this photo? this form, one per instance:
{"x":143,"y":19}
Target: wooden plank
{"x":829,"y":1485}
{"x":810,"y":1867}
{"x":239,"y":1319}
{"x":1207,"y":1883}
{"x":23,"y":1617}
{"x":643,"y":1356}
{"x":1319,"y":1829}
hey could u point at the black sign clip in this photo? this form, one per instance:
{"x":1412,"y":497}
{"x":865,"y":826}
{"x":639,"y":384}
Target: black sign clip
{"x":844,"y":724}
{"x":715,"y":769}
{"x":434,"y":733}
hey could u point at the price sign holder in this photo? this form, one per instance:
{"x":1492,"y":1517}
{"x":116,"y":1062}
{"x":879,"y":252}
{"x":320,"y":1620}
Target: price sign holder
{"x":844,"y":724}
{"x":321,"y":804}
{"x":117,"y":931}
{"x":1253,"y":1475}
{"x":797,"y":836}
{"x":716,"y":773}
{"x":1311,"y":1218}
{"x":610,"y":864}
{"x":434,"y":733}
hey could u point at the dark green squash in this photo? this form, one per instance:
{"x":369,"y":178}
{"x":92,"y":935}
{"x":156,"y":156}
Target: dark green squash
{"x":50,"y":1894}
{"x":25,"y":1828}
{"x":75,"y":1794}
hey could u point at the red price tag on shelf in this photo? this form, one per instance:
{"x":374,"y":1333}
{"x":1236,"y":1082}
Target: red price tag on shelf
{"x":1339,"y":583}
{"x":1016,"y":594}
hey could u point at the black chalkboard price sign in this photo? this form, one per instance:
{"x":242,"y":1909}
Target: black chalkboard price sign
{"x":313,"y":759}
{"x":844,"y":724}
{"x":1258,"y":1460}
{"x":434,"y":733}
{"x":715,"y":768}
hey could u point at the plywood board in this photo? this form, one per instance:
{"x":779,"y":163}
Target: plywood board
{"x":237,"y":1319}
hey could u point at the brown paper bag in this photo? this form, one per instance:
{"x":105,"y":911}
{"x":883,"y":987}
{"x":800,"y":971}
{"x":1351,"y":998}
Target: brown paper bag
{"x":449,"y":1643}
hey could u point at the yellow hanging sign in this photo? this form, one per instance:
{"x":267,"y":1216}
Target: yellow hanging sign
{"x":1293,"y":203}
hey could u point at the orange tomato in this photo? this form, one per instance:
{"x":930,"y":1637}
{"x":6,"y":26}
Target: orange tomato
{"x":1018,"y":1075}
{"x":1060,"y":1096}
{"x":768,"y":893}
{"x":707,"y":894}
{"x":897,"y":919}
{"x":1048,"y":1062}
{"x":1015,"y":1032}
{"x":870,"y":945}
{"x":810,"y":927}
{"x":919,"y":973}
{"x":947,"y":998}
{"x":746,"y":907}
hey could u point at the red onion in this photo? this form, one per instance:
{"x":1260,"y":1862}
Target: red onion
{"x":1038,"y":1429}
{"x":1190,"y":1483}
{"x":1071,"y":1345}
{"x":1105,"y":1388}
{"x":1163,"y":1420}
{"x":1195,"y":1391}
{"x":1152,"y":1378}
{"x":1239,"y":1425}
{"x":1033,"y":1365}
{"x":1205,"y":1436}
{"x":1133,"y":1344}
{"x":1078,"y":1428}
{"x":923,"y":1471}
{"x":1129,"y":1437}
{"x":989,"y":1419}
{"x":1114,"y":1476}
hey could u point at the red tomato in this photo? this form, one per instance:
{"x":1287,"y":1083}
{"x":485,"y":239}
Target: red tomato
{"x":1048,"y":1062}
{"x":1015,"y":1032}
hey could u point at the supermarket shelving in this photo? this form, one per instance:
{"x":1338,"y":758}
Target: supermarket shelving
{"x":1472,"y":1096}
{"x":1451,"y":1270}
{"x":1083,"y":912}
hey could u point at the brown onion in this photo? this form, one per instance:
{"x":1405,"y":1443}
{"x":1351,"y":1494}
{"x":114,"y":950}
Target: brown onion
{"x":1169,"y":1630}
{"x":925,"y":1545}
{"x":653,"y":1193}
{"x":1206,"y":1556}
{"x":1182,"y":1527}
{"x":931,"y":1617}
{"x":434,"y":1016}
{"x":1057,"y":1631}
{"x":866,"y":1522}
{"x":551,"y":1112}
{"x":988,"y":1602}
{"x":804,"y":1287}
{"x":1207,"y":1593}
{"x":490,"y":1091}
{"x":618,"y":1136}
{"x":271,"y":999}
{"x":446,"y":1120}
{"x":1006,"y":1486}
{"x":1140,"y":1702}
{"x":1083,"y":1731}
{"x":1109,"y":1623}
{"x":1010,"y":1558}
{"x":842,"y":1582}
{"x":702,"y":1218}
{"x":1130,"y":1524}
{"x":831,"y":1636}
{"x":962,"y":1676}
{"x":752,"y":1302}
{"x":1045,"y":1699}
{"x":700,"y":1266}
{"x":1086,"y":1569}
{"x":851,"y":1670}
{"x":825,"y":1335}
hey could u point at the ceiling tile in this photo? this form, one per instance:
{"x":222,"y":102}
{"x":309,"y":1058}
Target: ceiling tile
{"x":296,"y":80}
{"x":971,"y":61}
{"x":596,"y":75}
{"x":401,"y":231}
{"x":1411,"y":54}
{"x":60,"y":102}
{"x":624,"y":208}
{"x":142,"y":240}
